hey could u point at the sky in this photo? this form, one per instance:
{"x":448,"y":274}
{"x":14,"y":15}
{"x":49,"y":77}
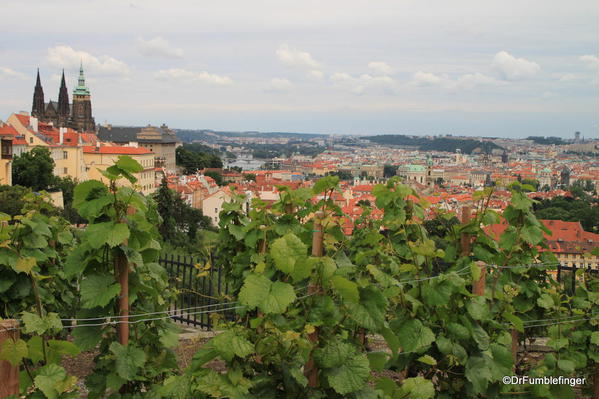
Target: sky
{"x":478,"y":68}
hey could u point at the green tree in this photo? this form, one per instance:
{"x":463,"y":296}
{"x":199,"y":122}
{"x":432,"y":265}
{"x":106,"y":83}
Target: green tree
{"x":216,"y":176}
{"x":11,"y":199}
{"x":34,"y":169}
{"x":389,"y":171}
{"x":342,"y":174}
{"x":249,"y":177}
{"x":165,"y":201}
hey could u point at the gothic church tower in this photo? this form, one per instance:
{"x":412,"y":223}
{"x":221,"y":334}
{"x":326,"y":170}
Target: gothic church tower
{"x":64,"y":108}
{"x":38,"y":107}
{"x":81,"y":118}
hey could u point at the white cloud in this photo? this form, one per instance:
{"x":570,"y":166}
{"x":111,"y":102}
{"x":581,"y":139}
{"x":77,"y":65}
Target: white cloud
{"x":512,"y":68}
{"x":380,"y":68}
{"x":280,"y":85}
{"x":591,"y":61}
{"x":158,"y":47}
{"x":202,"y":76}
{"x":315,"y":74}
{"x":363,"y":83}
{"x":473,"y":80}
{"x":426,"y":79}
{"x":464,"y":82}
{"x":11,"y":73}
{"x":294,"y":58}
{"x":69,"y":58}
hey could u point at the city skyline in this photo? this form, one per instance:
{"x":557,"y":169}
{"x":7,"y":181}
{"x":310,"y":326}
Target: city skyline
{"x":501,"y":69}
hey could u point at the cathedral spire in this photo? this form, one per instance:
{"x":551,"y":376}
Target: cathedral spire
{"x":63,"y":103}
{"x":37,"y":109}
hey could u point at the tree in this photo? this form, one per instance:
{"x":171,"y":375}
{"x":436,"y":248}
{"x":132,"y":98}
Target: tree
{"x":191,"y":161}
{"x":67,"y":186}
{"x":249,"y":177}
{"x":164,"y":198}
{"x":34,"y":169}
{"x":389,"y":171}
{"x":342,"y":174}
{"x":11,"y":199}
{"x":216,"y":176}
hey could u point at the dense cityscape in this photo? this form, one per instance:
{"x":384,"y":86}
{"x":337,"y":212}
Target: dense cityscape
{"x":205,"y":167}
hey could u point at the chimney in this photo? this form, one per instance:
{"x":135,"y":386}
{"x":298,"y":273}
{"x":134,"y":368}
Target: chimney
{"x":61,"y":132}
{"x":33,"y":122}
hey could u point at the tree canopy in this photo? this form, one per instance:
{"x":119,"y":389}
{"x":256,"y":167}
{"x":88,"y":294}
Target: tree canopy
{"x":34,"y":169}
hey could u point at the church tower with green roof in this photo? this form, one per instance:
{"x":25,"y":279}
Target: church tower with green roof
{"x":81,"y":114}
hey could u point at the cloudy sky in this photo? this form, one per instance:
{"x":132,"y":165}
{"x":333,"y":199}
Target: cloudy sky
{"x":495,"y":68}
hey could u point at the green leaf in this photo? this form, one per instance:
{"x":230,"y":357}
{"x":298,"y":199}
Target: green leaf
{"x":98,"y":290}
{"x":87,"y":337}
{"x":13,"y":351}
{"x":129,"y":164}
{"x":545,"y":301}
{"x":230,"y":344}
{"x":91,"y":209}
{"x":478,"y":308}
{"x":88,"y":190}
{"x":25,"y":264}
{"x":258,"y":291}
{"x":595,"y":338}
{"x":110,"y":233}
{"x":427,"y":359}
{"x":128,"y":360}
{"x":52,"y":380}
{"x":334,"y":354}
{"x":416,"y":388}
{"x":481,"y":337}
{"x":478,"y":373}
{"x":351,"y":376}
{"x":347,"y":289}
{"x":325,"y":184}
{"x":567,"y":366}
{"x":287,"y":252}
{"x":40,"y":325}
{"x":377,"y":360}
{"x":413,"y":335}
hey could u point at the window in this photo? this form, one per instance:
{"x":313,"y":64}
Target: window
{"x":30,"y":140}
{"x":66,"y":171}
{"x":216,"y":210}
{"x":65,"y":155}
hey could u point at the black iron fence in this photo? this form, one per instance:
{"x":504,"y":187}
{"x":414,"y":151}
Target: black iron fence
{"x":203,"y":290}
{"x":201,"y":287}
{"x":566,"y":275}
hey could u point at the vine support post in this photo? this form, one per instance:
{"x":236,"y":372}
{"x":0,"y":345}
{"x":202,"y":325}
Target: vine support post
{"x":596,"y":382}
{"x":9,"y":374}
{"x":465,"y":238}
{"x":310,"y":370}
{"x":478,"y":287}
{"x":123,"y":270}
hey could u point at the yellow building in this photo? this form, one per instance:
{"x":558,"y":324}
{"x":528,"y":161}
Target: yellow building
{"x":7,"y":135}
{"x":98,"y":158}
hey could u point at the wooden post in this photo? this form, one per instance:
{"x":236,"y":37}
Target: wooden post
{"x":478,"y":287}
{"x":123,"y":270}
{"x":310,"y":370}
{"x":465,"y":238}
{"x":515,"y":337}
{"x":9,"y":374}
{"x":596,"y":382}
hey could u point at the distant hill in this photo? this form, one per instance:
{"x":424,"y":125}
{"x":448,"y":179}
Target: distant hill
{"x":467,"y":146}
{"x":547,"y":140}
{"x":191,"y":135}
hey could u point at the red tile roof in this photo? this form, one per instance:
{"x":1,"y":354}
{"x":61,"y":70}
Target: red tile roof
{"x":116,"y":150}
{"x":8,"y":130}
